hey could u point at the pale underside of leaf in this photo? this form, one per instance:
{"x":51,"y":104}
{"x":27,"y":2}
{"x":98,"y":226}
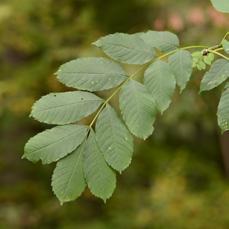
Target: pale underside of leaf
{"x":53,"y":144}
{"x":160,"y":82}
{"x":114,"y":139}
{"x":91,"y":74}
{"x":100,"y":178}
{"x":221,"y":5}
{"x":65,"y":107}
{"x":225,"y":44}
{"x":68,"y":180}
{"x":217,"y":74}
{"x":164,"y":41}
{"x":126,"y":48}
{"x":223,"y":110}
{"x":137,"y":108}
{"x":181,"y":65}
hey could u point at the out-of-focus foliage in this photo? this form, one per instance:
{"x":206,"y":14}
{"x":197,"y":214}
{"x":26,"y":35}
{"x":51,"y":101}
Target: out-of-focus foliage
{"x":176,"y":179}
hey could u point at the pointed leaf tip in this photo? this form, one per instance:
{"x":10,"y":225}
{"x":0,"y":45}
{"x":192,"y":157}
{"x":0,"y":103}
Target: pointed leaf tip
{"x":97,"y":43}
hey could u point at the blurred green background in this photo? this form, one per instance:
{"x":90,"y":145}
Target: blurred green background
{"x":178,"y":178}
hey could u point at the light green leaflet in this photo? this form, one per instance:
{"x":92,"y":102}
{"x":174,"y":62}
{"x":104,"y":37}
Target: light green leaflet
{"x":91,"y":74}
{"x":114,"y":139}
{"x":225,"y":44}
{"x":68,"y":180}
{"x":221,"y":5}
{"x":137,"y":108}
{"x":126,"y":48}
{"x":208,"y":59}
{"x":161,"y":83}
{"x":199,"y":61}
{"x":66,"y":107}
{"x":53,"y":144}
{"x":217,"y":74}
{"x":223,"y":110}
{"x":181,"y":65}
{"x":100,"y":178}
{"x":163,"y":41}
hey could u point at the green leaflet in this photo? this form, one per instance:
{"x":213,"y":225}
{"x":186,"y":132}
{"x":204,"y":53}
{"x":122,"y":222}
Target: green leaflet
{"x":137,"y":108}
{"x":161,"y":83}
{"x":181,"y":65}
{"x":114,"y":140}
{"x":208,"y":59}
{"x":64,"y":108}
{"x":221,"y":5}
{"x":225,"y":44}
{"x":100,"y":178}
{"x":223,"y":110}
{"x":91,"y":73}
{"x":53,"y":144}
{"x":163,"y":41}
{"x":68,"y":180}
{"x":126,"y":48}
{"x":199,"y":61}
{"x":217,"y":74}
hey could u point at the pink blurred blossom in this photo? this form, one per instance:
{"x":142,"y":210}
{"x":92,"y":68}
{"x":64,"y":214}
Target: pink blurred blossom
{"x":176,"y":22}
{"x":159,"y":24}
{"x":218,"y":19}
{"x":196,"y":16}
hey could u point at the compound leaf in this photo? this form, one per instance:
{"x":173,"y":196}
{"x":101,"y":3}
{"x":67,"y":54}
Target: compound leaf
{"x":91,"y":74}
{"x":223,"y":110}
{"x":65,"y":107}
{"x":53,"y":144}
{"x":137,"y":108}
{"x":217,"y":74}
{"x":126,"y":48}
{"x":164,"y":41}
{"x":181,"y":65}
{"x":114,"y":139}
{"x":100,"y":178}
{"x":161,"y":83}
{"x":68,"y":180}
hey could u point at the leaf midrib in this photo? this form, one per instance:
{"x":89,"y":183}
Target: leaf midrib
{"x":78,"y":102}
{"x":48,"y":145}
